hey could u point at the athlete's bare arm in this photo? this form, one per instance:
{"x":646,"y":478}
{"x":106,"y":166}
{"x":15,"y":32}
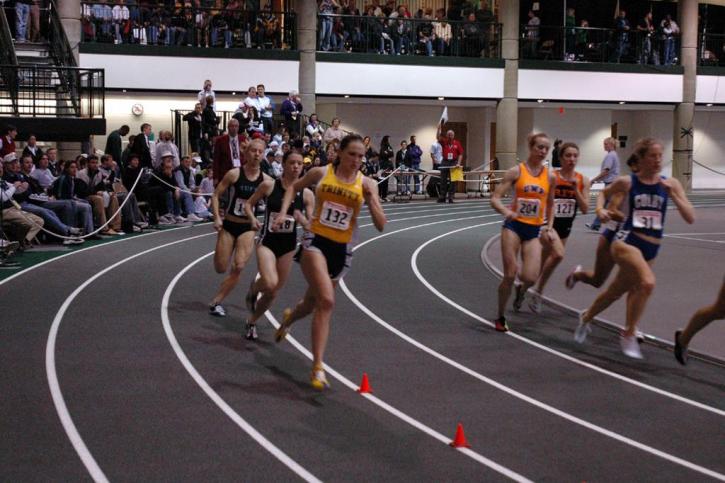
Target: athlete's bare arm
{"x":263,"y":190}
{"x":582,"y":197}
{"x":615,"y":191}
{"x":370,"y":192}
{"x":308,"y":200}
{"x":509,"y":178}
{"x":678,"y":195}
{"x":313,"y":176}
{"x":229,"y":179}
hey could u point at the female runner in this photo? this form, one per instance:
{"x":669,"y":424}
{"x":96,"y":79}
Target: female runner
{"x":326,"y":250}
{"x":275,"y":248}
{"x":533,"y":202}
{"x":571,"y":193}
{"x":636,"y":244}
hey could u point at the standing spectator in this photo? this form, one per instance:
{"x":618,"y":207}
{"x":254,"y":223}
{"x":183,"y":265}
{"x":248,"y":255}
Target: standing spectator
{"x":582,"y":38}
{"x":327,"y":8}
{"x":22,"y":14}
{"x":472,"y":37}
{"x":165,"y":144}
{"x":570,"y":24}
{"x":436,"y":153}
{"x":670,"y":31}
{"x":125,"y":156}
{"x":204,"y":94}
{"x":291,"y":110}
{"x":413,"y":157}
{"x":114,"y":142}
{"x":333,"y":132}
{"x":608,"y":173}
{"x":442,"y":31}
{"x":313,"y":126}
{"x":228,"y":151}
{"x":142,"y":146}
{"x":120,"y":15}
{"x":32,"y":149}
{"x":386,"y":165}
{"x":622,"y":27}
{"x":648,"y":53}
{"x":555,"y":162}
{"x":7,"y":143}
{"x":532,"y":35}
{"x":452,"y":157}
{"x":266,"y":109}
{"x":194,"y":132}
{"x":209,"y":127}
{"x":34,"y":23}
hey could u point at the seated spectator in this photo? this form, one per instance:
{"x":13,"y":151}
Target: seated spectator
{"x":170,"y":193}
{"x":42,"y":174}
{"x":425,"y":32}
{"x":64,"y":188}
{"x":333,"y":132}
{"x":165,"y":144}
{"x":99,"y":193}
{"x":313,"y":126}
{"x":206,"y":187}
{"x":187,"y":184}
{"x":144,"y":192}
{"x":131,"y":217}
{"x":17,"y":224}
{"x":53,"y":162}
{"x":33,"y":150}
{"x":442,"y":31}
{"x":277,"y":164}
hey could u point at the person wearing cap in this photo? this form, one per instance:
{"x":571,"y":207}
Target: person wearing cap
{"x":7,"y":144}
{"x":24,"y":225}
{"x":101,"y":196}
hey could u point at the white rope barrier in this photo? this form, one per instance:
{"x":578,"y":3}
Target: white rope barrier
{"x":180,"y":189}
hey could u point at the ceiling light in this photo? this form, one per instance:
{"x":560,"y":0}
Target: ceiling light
{"x":234,"y":93}
{"x":347,"y":96}
{"x":540,"y":101}
{"x":709,"y":104}
{"x":441,"y":98}
{"x":125,"y":92}
{"x":621,"y":102}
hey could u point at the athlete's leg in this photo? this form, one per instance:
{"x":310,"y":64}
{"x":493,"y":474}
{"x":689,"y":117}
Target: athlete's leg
{"x":281,"y":268}
{"x":314,"y":268}
{"x":703,"y":317}
{"x":603,"y":266}
{"x":530,"y":263}
{"x":243,"y":249}
{"x":510,"y":245}
{"x":552,"y":253}
{"x":223,"y":251}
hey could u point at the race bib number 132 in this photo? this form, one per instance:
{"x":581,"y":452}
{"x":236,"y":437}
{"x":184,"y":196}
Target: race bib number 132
{"x":336,"y":216}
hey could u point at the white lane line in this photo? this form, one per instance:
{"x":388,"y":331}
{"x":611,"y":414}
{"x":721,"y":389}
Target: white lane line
{"x":65,"y":418}
{"x":513,"y":392}
{"x":694,"y":234}
{"x":695,"y":239}
{"x":213,"y":395}
{"x":401,"y":415}
{"x":38,"y":265}
{"x":479,"y":210}
{"x":431,"y":210}
{"x":601,"y":370}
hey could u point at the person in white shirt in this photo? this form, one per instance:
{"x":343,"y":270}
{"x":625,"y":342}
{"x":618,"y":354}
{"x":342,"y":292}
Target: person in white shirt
{"x":120,"y":16}
{"x":266,"y":109}
{"x":333,"y":132}
{"x":313,"y":126}
{"x":165,"y":144}
{"x":205,"y":92}
{"x":436,"y":154}
{"x":42,"y":174}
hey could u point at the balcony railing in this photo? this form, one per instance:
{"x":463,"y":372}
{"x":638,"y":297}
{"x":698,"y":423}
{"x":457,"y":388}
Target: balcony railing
{"x":712,"y":49}
{"x":156,"y":24}
{"x":42,"y":91}
{"x":586,"y":44}
{"x":407,"y":36}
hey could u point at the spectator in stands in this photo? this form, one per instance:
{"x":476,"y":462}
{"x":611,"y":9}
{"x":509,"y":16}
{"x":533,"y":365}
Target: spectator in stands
{"x":166,"y":144}
{"x":532,"y":35}
{"x":425,"y":32}
{"x":209,"y":126}
{"x":125,"y":156}
{"x":142,"y":146}
{"x":194,"y":132}
{"x":413,"y":157}
{"x":42,"y":174}
{"x":436,"y":153}
{"x":452,"y":157}
{"x":266,"y":109}
{"x":443,"y":34}
{"x":24,"y":226}
{"x":187,"y":184}
{"x":670,"y":31}
{"x":205,"y":93}
{"x":114,"y":143}
{"x":622,"y":27}
{"x":101,"y":196}
{"x":472,"y":37}
{"x":570,"y":35}
{"x":7,"y":143}
{"x":22,"y":14}
{"x":65,"y":189}
{"x":648,"y":53}
{"x":326,"y":8}
{"x":206,"y":187}
{"x":145,"y":192}
{"x":29,"y":202}
{"x":291,"y":110}
{"x":582,"y":38}
{"x":131,"y":217}
{"x":385,"y":157}
{"x":202,"y":22}
{"x":333,"y":132}
{"x":313,"y":126}
{"x":120,"y":15}
{"x":228,"y":150}
{"x":32,"y":149}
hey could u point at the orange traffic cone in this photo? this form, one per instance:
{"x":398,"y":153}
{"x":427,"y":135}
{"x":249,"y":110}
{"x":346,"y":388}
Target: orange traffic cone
{"x":365,"y":385}
{"x":460,"y":440}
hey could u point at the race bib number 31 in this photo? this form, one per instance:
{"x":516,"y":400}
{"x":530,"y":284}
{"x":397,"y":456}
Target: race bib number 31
{"x":647,"y":219}
{"x":564,"y":208}
{"x":528,"y":208}
{"x":239,"y":207}
{"x":288,"y":225}
{"x":336,"y":216}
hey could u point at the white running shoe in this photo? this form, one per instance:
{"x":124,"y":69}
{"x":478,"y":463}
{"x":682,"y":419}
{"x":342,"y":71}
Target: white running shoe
{"x":166,"y":220}
{"x":582,"y":330}
{"x":640,"y":336}
{"x":179,"y":219}
{"x":571,"y":279}
{"x":194,"y":218}
{"x":534,"y":302}
{"x":73,"y":241}
{"x":630,"y":346}
{"x":217,"y":310}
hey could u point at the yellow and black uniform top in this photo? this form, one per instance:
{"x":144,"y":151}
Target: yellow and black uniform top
{"x":531,"y":194}
{"x":337,"y":205}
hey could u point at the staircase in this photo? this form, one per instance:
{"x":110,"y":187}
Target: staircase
{"x":33,"y":53}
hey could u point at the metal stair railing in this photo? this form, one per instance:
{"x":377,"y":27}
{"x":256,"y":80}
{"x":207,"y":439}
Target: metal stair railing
{"x":8,"y":75}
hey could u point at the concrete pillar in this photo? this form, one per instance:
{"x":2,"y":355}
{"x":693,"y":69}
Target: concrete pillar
{"x":70,"y":17}
{"x":685,"y":112}
{"x":508,"y":107}
{"x":307,"y":44}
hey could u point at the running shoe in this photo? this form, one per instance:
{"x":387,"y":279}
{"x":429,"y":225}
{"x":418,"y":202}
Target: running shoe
{"x":193,"y":218}
{"x":73,"y":241}
{"x":680,"y":350}
{"x":500,"y":325}
{"x":179,"y":219}
{"x":534,"y":302}
{"x":640,"y":336}
{"x":251,"y":299}
{"x":571,"y":278}
{"x":630,"y":346}
{"x":519,"y":299}
{"x":251,"y":331}
{"x":217,"y":310}
{"x":318,"y":379}
{"x":284,"y":327}
{"x":582,"y":330}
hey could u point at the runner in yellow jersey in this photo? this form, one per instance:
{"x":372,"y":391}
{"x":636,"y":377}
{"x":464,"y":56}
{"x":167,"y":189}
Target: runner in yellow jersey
{"x":531,"y":209}
{"x":326,"y":250}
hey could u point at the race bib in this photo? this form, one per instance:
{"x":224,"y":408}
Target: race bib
{"x":450,"y":156}
{"x":287,"y":227}
{"x":564,"y":208}
{"x":238,"y":209}
{"x":528,"y":208}
{"x":336,"y":216}
{"x":647,"y":219}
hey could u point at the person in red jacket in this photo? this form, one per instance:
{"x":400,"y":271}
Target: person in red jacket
{"x":452,"y":157}
{"x":7,"y":143}
{"x":228,"y":151}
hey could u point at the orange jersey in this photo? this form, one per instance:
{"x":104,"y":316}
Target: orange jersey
{"x":531,"y":193}
{"x":337,"y":205}
{"x":565,"y":204}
